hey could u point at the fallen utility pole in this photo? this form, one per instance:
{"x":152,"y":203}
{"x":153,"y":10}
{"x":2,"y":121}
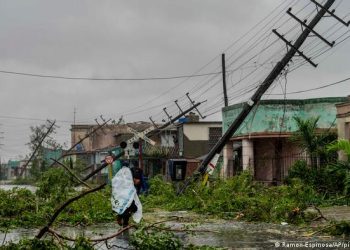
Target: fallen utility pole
{"x":71,"y":173}
{"x":82,"y":139}
{"x":173,"y":119}
{"x":104,"y":164}
{"x":248,"y":106}
{"x":37,"y":147}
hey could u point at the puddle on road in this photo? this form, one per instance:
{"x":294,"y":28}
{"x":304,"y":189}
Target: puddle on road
{"x":233,"y":235}
{"x":211,"y":232}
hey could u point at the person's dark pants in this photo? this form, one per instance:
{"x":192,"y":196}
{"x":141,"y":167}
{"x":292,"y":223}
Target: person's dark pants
{"x":123,"y":219}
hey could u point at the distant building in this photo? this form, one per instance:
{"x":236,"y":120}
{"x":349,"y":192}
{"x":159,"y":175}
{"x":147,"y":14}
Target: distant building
{"x":112,"y":135}
{"x":261,"y":142}
{"x":189,"y":138}
{"x":94,"y":148}
{"x":15,"y":168}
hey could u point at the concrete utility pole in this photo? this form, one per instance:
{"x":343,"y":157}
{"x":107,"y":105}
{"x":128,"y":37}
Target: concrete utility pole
{"x":248,"y":106}
{"x":172,"y":120}
{"x":224,"y":79}
{"x":142,"y":136}
{"x":49,"y":130}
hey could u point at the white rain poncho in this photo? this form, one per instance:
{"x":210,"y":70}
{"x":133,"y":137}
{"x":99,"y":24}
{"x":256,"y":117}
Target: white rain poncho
{"x":124,"y":192}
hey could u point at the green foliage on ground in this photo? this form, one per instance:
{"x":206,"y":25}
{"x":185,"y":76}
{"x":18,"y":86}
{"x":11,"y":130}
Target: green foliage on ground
{"x":22,"y":208}
{"x":18,"y":208}
{"x":331,"y":182}
{"x":150,"y":237}
{"x":54,"y":186}
{"x":238,"y":197}
{"x":341,"y":228}
{"x":92,"y":208}
{"x":30,"y":244}
{"x":154,"y":239}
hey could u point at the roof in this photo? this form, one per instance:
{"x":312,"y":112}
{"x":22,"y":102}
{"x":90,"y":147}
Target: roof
{"x":204,"y":122}
{"x":272,"y":116}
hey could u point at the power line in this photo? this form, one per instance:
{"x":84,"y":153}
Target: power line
{"x":196,"y":87}
{"x":105,"y":79}
{"x":312,"y":89}
{"x":27,"y":118}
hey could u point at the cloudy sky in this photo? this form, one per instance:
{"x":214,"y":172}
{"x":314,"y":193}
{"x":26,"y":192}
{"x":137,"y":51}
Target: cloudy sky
{"x":132,"y":39}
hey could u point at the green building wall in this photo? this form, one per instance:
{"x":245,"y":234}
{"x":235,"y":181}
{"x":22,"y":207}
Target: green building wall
{"x":277,"y":115}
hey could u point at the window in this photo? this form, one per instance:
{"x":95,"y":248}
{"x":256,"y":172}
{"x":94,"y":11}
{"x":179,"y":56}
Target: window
{"x":215,"y":134}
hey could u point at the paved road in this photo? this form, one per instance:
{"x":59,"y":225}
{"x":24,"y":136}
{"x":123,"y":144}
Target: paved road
{"x":337,"y":213}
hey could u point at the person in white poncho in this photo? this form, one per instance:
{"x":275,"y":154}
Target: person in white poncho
{"x":125,"y":201}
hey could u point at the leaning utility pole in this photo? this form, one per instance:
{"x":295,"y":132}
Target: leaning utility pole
{"x":49,"y":130}
{"x":173,"y":119}
{"x":248,"y":106}
{"x":223,"y":66}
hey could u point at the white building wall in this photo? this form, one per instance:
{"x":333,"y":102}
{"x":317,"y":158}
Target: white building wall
{"x":248,"y":154}
{"x":197,"y":131}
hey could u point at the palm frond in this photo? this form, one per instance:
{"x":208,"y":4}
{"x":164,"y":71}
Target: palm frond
{"x":340,"y":145}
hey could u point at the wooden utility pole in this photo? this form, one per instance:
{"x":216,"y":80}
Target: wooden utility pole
{"x":248,"y":106}
{"x":224,"y":79}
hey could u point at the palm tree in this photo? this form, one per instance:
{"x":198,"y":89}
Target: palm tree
{"x":341,"y":168}
{"x":340,"y":145}
{"x":310,"y":140}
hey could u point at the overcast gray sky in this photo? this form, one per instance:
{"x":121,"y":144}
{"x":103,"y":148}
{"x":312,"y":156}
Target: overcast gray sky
{"x":145,"y":39}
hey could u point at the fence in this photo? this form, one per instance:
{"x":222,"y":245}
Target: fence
{"x":275,"y":169}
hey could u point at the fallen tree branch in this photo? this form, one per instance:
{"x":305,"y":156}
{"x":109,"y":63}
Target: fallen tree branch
{"x":102,"y":167}
{"x":60,"y":209}
{"x":70,"y":171}
{"x":320,"y":213}
{"x":115,"y":246}
{"x":185,"y":230}
{"x":58,"y":239}
{"x":92,"y":240}
{"x":318,"y":231}
{"x":3,"y":240}
{"x":160,"y":222}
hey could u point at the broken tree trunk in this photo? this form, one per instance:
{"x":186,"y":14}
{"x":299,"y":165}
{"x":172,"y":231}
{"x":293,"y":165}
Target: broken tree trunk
{"x":63,"y":206}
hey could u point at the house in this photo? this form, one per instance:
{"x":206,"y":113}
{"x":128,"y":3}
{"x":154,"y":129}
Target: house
{"x":189,"y":139}
{"x":112,"y":135}
{"x":12,"y":169}
{"x":343,"y":123}
{"x":195,"y":137}
{"x":94,"y":148}
{"x":15,"y":168}
{"x":261,"y":143}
